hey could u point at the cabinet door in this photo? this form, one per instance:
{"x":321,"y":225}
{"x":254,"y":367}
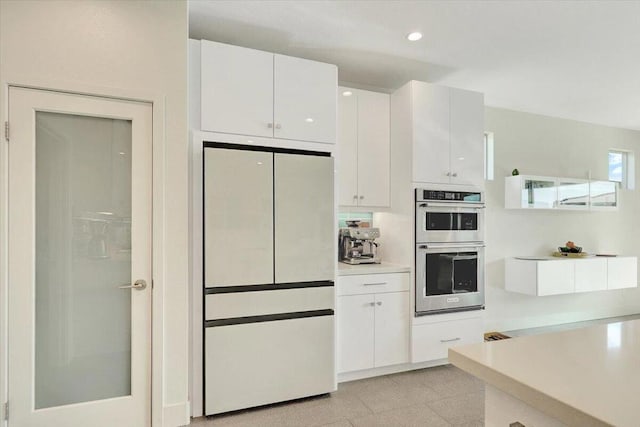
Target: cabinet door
{"x":304,"y":218}
{"x":622,"y":272}
{"x":430,"y":133}
{"x":355,"y":332}
{"x":237,"y":89}
{"x":392,"y":328}
{"x":467,"y":137}
{"x":591,"y":274}
{"x":238,"y":217}
{"x":348,"y":147}
{"x":556,"y":277}
{"x":305,"y":99}
{"x":373,"y":149}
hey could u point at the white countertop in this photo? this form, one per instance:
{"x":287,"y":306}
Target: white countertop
{"x":587,"y":377}
{"x":385,"y":267}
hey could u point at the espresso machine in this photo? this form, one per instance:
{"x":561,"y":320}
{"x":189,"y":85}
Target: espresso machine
{"x":358,"y":246}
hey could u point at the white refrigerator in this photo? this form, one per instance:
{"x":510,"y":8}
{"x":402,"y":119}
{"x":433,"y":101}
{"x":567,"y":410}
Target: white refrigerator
{"x":269,"y":251}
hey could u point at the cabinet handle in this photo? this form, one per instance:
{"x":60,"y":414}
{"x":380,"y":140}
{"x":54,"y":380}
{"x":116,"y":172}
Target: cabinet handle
{"x":379,"y":303}
{"x":361,"y":197}
{"x":451,"y":340}
{"x":448,"y":174}
{"x":375,"y":284}
{"x":355,"y":196}
{"x":278,"y":126}
{"x":270,"y":125}
{"x":372,"y":304}
{"x":454,"y":175}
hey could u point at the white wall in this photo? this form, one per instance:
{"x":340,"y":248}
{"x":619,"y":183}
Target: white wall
{"x":540,"y":145}
{"x":134,"y":49}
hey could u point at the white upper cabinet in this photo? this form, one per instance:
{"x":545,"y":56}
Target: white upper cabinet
{"x":237,"y":89}
{"x":430,"y":114}
{"x":467,"y":137}
{"x":363,"y":146}
{"x":251,"y":92}
{"x":347,"y":148}
{"x":304,"y":99}
{"x":448,"y":134}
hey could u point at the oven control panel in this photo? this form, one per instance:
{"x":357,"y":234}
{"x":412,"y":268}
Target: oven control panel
{"x":449,"y":196}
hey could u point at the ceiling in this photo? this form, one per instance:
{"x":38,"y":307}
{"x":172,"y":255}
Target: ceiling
{"x":572,"y":59}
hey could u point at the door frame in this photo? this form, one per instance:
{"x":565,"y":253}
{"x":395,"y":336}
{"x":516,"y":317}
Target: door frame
{"x":159,"y":142}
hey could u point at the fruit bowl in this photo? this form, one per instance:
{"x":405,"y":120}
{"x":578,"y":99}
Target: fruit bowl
{"x":568,"y":250}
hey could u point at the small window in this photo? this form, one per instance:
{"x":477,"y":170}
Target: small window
{"x":488,"y":156}
{"x":622,"y":168}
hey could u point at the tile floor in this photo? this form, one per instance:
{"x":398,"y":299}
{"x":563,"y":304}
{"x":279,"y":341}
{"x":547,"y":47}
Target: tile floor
{"x":432,"y":397}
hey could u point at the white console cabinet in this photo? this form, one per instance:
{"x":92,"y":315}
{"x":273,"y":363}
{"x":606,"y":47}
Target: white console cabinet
{"x":363,"y":145}
{"x":553,"y":276}
{"x":373,"y":321}
{"x":250,"y":92}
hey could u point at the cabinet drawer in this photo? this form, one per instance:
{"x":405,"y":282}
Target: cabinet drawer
{"x":258,"y":303}
{"x":372,"y":283}
{"x":432,"y":341}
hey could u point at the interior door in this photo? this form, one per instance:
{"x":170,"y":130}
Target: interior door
{"x":79,"y":260}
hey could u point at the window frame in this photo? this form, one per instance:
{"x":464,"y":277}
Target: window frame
{"x":628,"y":168}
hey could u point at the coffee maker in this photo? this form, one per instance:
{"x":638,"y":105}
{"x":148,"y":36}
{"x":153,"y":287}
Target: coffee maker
{"x":357,"y":244}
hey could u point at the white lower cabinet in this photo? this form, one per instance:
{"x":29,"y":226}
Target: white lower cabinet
{"x":432,"y":338}
{"x":373,"y":322}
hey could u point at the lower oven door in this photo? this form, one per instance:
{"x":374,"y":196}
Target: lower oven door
{"x":449,"y":277}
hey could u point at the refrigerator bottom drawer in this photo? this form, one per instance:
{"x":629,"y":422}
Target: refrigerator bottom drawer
{"x":255,"y":364}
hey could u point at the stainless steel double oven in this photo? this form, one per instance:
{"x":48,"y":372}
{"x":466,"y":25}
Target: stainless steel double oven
{"x":449,"y":250}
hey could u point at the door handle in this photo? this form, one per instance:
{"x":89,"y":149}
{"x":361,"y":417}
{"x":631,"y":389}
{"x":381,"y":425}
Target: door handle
{"x":138,"y":285}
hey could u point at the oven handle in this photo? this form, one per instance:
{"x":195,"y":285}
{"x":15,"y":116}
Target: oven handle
{"x":452,"y":205}
{"x":450,"y":245}
{"x":464,"y":257}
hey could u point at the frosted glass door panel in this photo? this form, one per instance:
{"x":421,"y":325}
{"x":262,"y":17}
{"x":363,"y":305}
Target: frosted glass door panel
{"x":238,"y":217}
{"x":83,"y":252}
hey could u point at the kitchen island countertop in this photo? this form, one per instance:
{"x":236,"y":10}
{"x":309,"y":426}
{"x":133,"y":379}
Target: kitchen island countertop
{"x":587,"y":377}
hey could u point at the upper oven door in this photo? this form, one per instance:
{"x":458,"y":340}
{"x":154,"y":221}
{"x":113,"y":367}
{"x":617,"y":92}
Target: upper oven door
{"x":448,"y":222}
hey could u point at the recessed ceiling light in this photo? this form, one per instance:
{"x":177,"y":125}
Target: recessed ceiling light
{"x":415,"y":36}
{"x":308,"y":120}
{"x":347,"y":93}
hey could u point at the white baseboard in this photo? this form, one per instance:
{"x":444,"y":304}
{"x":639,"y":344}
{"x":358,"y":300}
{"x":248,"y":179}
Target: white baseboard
{"x":386,"y":370}
{"x":176,"y":415}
